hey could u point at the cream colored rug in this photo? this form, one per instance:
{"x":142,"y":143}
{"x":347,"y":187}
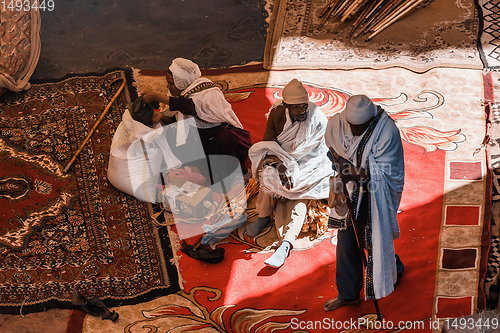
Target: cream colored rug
{"x":442,"y":34}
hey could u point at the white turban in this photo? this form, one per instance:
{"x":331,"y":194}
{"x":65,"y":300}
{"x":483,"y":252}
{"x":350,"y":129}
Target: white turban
{"x":359,"y":109}
{"x":184,"y":72}
{"x":295,"y":93}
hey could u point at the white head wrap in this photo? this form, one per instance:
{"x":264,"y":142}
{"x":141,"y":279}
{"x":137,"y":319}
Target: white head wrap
{"x":359,"y":109}
{"x":184,"y":72}
{"x":295,"y":93}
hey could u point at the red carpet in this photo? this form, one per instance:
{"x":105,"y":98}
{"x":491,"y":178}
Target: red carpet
{"x":63,"y":232}
{"x":441,"y":219}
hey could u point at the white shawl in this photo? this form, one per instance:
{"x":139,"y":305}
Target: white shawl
{"x":211,"y":106}
{"x":301,"y":147}
{"x":384,"y":155}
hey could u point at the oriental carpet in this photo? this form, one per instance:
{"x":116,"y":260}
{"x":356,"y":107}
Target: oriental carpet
{"x":444,"y":234}
{"x":489,"y":41}
{"x":442,"y":34}
{"x":63,"y":232}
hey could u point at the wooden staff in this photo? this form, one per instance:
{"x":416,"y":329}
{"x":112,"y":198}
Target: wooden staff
{"x":97,"y":123}
{"x":388,"y":7}
{"x":377,"y":5}
{"x":361,"y":17}
{"x":364,"y":19}
{"x":383,"y":5}
{"x":401,"y":7}
{"x":330,"y":11}
{"x":355,"y":225}
{"x":343,"y":7}
{"x":327,"y":8}
{"x":407,"y":8}
{"x":351,"y":10}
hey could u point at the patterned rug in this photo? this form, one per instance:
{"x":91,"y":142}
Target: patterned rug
{"x":61,"y":232}
{"x":444,"y":237}
{"x":492,"y":282}
{"x":442,"y":34}
{"x":489,"y":43}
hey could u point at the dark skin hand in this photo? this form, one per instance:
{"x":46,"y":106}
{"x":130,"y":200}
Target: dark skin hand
{"x":150,"y":97}
{"x":297,"y":112}
{"x":347,"y":171}
{"x":280,"y":167}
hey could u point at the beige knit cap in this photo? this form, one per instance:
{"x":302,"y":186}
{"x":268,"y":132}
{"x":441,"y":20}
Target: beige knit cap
{"x":295,"y":93}
{"x":359,"y":109}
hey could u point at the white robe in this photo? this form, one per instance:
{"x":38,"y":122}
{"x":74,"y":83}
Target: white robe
{"x":301,"y":147}
{"x":138,"y":155}
{"x":384,"y":155}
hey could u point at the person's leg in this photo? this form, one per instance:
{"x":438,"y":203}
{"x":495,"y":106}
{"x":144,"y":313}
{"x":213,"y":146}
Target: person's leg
{"x":227,"y":140}
{"x":289,"y":218}
{"x":265,"y":207}
{"x":348,"y":271}
{"x":400,"y":268}
{"x":349,"y":263}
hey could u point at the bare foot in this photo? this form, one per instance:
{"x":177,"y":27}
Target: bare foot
{"x":336,"y":303}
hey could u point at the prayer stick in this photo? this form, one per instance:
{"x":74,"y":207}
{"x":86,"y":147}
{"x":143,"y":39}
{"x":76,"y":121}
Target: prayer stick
{"x":327,"y":17}
{"x":343,"y":7}
{"x":361,"y":17}
{"x":384,"y":6}
{"x":389,"y":6}
{"x":401,"y":7}
{"x":364,"y":21}
{"x":376,"y":6}
{"x":352,"y":8}
{"x":97,"y":122}
{"x":327,"y":8}
{"x":406,"y":11}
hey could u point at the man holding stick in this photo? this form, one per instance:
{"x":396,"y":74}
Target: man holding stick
{"x":366,"y":147}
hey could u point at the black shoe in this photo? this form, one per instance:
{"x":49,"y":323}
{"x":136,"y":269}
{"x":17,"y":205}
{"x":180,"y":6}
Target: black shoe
{"x":203,"y":253}
{"x":94,"y":307}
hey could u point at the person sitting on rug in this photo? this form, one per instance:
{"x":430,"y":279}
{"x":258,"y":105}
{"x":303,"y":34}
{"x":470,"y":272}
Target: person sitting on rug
{"x":366,"y":148}
{"x":197,"y":102}
{"x":140,"y":153}
{"x":292,"y":167}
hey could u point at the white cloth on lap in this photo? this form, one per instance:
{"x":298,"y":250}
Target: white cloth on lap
{"x":302,"y":149}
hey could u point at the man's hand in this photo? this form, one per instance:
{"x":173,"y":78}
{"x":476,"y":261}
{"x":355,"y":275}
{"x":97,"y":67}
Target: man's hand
{"x":157,"y":117}
{"x":347,"y":171}
{"x":149,"y":97}
{"x":275,"y":162}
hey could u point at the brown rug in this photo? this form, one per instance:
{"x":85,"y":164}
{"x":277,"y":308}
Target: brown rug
{"x":71,"y":231}
{"x":442,"y":34}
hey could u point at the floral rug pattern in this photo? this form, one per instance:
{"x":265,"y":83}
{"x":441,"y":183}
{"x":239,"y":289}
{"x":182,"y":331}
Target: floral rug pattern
{"x":442,"y":34}
{"x":64,"y":232}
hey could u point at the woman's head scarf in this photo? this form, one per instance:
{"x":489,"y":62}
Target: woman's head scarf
{"x":184,"y":72}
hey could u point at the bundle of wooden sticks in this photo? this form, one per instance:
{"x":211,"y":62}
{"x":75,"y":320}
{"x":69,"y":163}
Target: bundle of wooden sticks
{"x":370,"y":17}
